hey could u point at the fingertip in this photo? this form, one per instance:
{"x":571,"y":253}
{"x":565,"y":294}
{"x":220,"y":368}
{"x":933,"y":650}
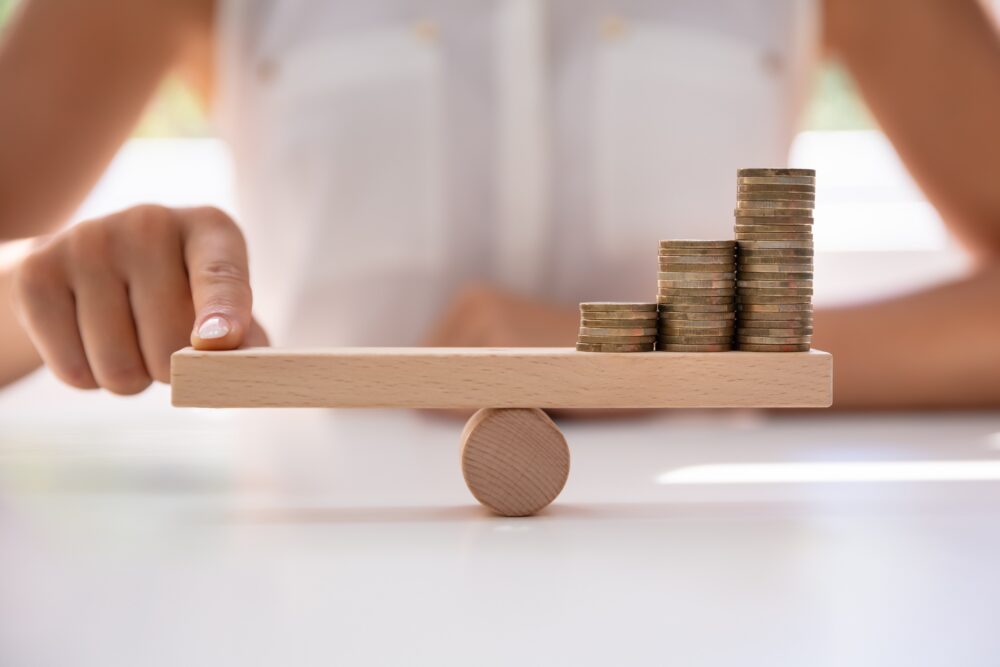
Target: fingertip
{"x":216,"y":332}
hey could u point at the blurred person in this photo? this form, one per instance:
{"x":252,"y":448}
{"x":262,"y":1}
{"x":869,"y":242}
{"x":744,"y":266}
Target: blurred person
{"x":390,"y":154}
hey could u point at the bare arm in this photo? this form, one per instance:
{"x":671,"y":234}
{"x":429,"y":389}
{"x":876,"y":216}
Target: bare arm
{"x":74,"y":77}
{"x":930,"y":72}
{"x":932,"y":349}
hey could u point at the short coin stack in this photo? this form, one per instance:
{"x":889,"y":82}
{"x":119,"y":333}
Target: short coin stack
{"x":775,"y":259}
{"x":696,"y":296}
{"x":617,"y":327}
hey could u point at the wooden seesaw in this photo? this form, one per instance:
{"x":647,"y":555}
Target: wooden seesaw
{"x":514,"y":458}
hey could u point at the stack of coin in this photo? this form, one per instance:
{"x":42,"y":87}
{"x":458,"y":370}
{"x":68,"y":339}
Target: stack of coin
{"x":696,"y":297}
{"x":617,"y":327}
{"x":775,"y":259}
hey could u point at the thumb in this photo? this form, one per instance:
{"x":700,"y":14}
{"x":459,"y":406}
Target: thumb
{"x":216,"y":258}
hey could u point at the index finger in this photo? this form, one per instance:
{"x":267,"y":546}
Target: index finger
{"x":216,"y":258}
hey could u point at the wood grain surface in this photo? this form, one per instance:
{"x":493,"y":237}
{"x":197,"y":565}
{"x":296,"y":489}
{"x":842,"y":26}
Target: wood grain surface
{"x":515,"y":461}
{"x":422,"y":377}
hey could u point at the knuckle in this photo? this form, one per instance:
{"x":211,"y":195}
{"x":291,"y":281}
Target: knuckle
{"x":213,"y":216}
{"x":222,"y":272}
{"x":89,"y":245}
{"x":149,"y":224}
{"x":33,"y":276}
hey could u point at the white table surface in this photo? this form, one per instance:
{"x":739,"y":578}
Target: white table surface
{"x":320,"y":538}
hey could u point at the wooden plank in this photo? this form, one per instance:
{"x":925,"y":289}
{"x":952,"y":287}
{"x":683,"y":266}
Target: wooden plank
{"x":422,"y":377}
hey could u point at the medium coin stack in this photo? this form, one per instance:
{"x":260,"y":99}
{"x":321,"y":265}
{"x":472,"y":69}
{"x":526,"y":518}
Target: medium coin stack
{"x":617,"y":327}
{"x":775,"y":259}
{"x":696,"y":296}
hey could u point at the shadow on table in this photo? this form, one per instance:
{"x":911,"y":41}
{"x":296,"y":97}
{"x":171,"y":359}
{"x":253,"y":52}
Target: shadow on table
{"x":464,"y":513}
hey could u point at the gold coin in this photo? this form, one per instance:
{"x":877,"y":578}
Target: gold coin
{"x":778,"y":220}
{"x":756,"y":318}
{"x":694,"y":340}
{"x":676,"y":347}
{"x":776,"y":180}
{"x":617,"y":331}
{"x":616,"y":340}
{"x":776,"y":187}
{"x":610,"y":347}
{"x":751,"y":293}
{"x":773,"y":229}
{"x":695,"y":252}
{"x":687,"y":330}
{"x":774,"y":284}
{"x":751,"y":258}
{"x":796,"y":331}
{"x":699,"y":275}
{"x":695,"y":284}
{"x":694,"y":243}
{"x":788,"y":233}
{"x":757,"y":266}
{"x":768,"y":340}
{"x":751,"y":347}
{"x":775,"y":245}
{"x":697,"y":331}
{"x":774,"y":236}
{"x":697,"y":259}
{"x":669,"y":293}
{"x":748,"y":299}
{"x":697,"y":308}
{"x":748,"y":315}
{"x":771,"y":277}
{"x":618,"y":324}
{"x":616,"y":306}
{"x":753,"y":249}
{"x":774,"y":323}
{"x":701,"y":332}
{"x":764,"y":212}
{"x":804,"y":207}
{"x":776,"y":308}
{"x":780,"y":171}
{"x":698,"y":300}
{"x":728,"y":267}
{"x":633,"y":318}
{"x":803,"y":327}
{"x":776,"y":195}
{"x":668,"y":316}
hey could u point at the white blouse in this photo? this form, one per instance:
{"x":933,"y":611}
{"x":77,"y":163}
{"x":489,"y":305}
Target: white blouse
{"x":390,"y":151}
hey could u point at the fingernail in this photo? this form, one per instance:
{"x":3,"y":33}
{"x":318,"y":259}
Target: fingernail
{"x":213,"y":327}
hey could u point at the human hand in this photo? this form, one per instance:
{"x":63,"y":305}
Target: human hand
{"x":106,"y":302}
{"x":483,"y":316}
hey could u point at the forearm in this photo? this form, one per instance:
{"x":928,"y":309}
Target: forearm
{"x":938,"y":348}
{"x":75,"y":76}
{"x":930,"y":72}
{"x":17,"y":354}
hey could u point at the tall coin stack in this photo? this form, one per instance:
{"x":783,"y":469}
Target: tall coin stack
{"x":617,"y":327}
{"x":696,"y":296}
{"x":775,"y":259}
